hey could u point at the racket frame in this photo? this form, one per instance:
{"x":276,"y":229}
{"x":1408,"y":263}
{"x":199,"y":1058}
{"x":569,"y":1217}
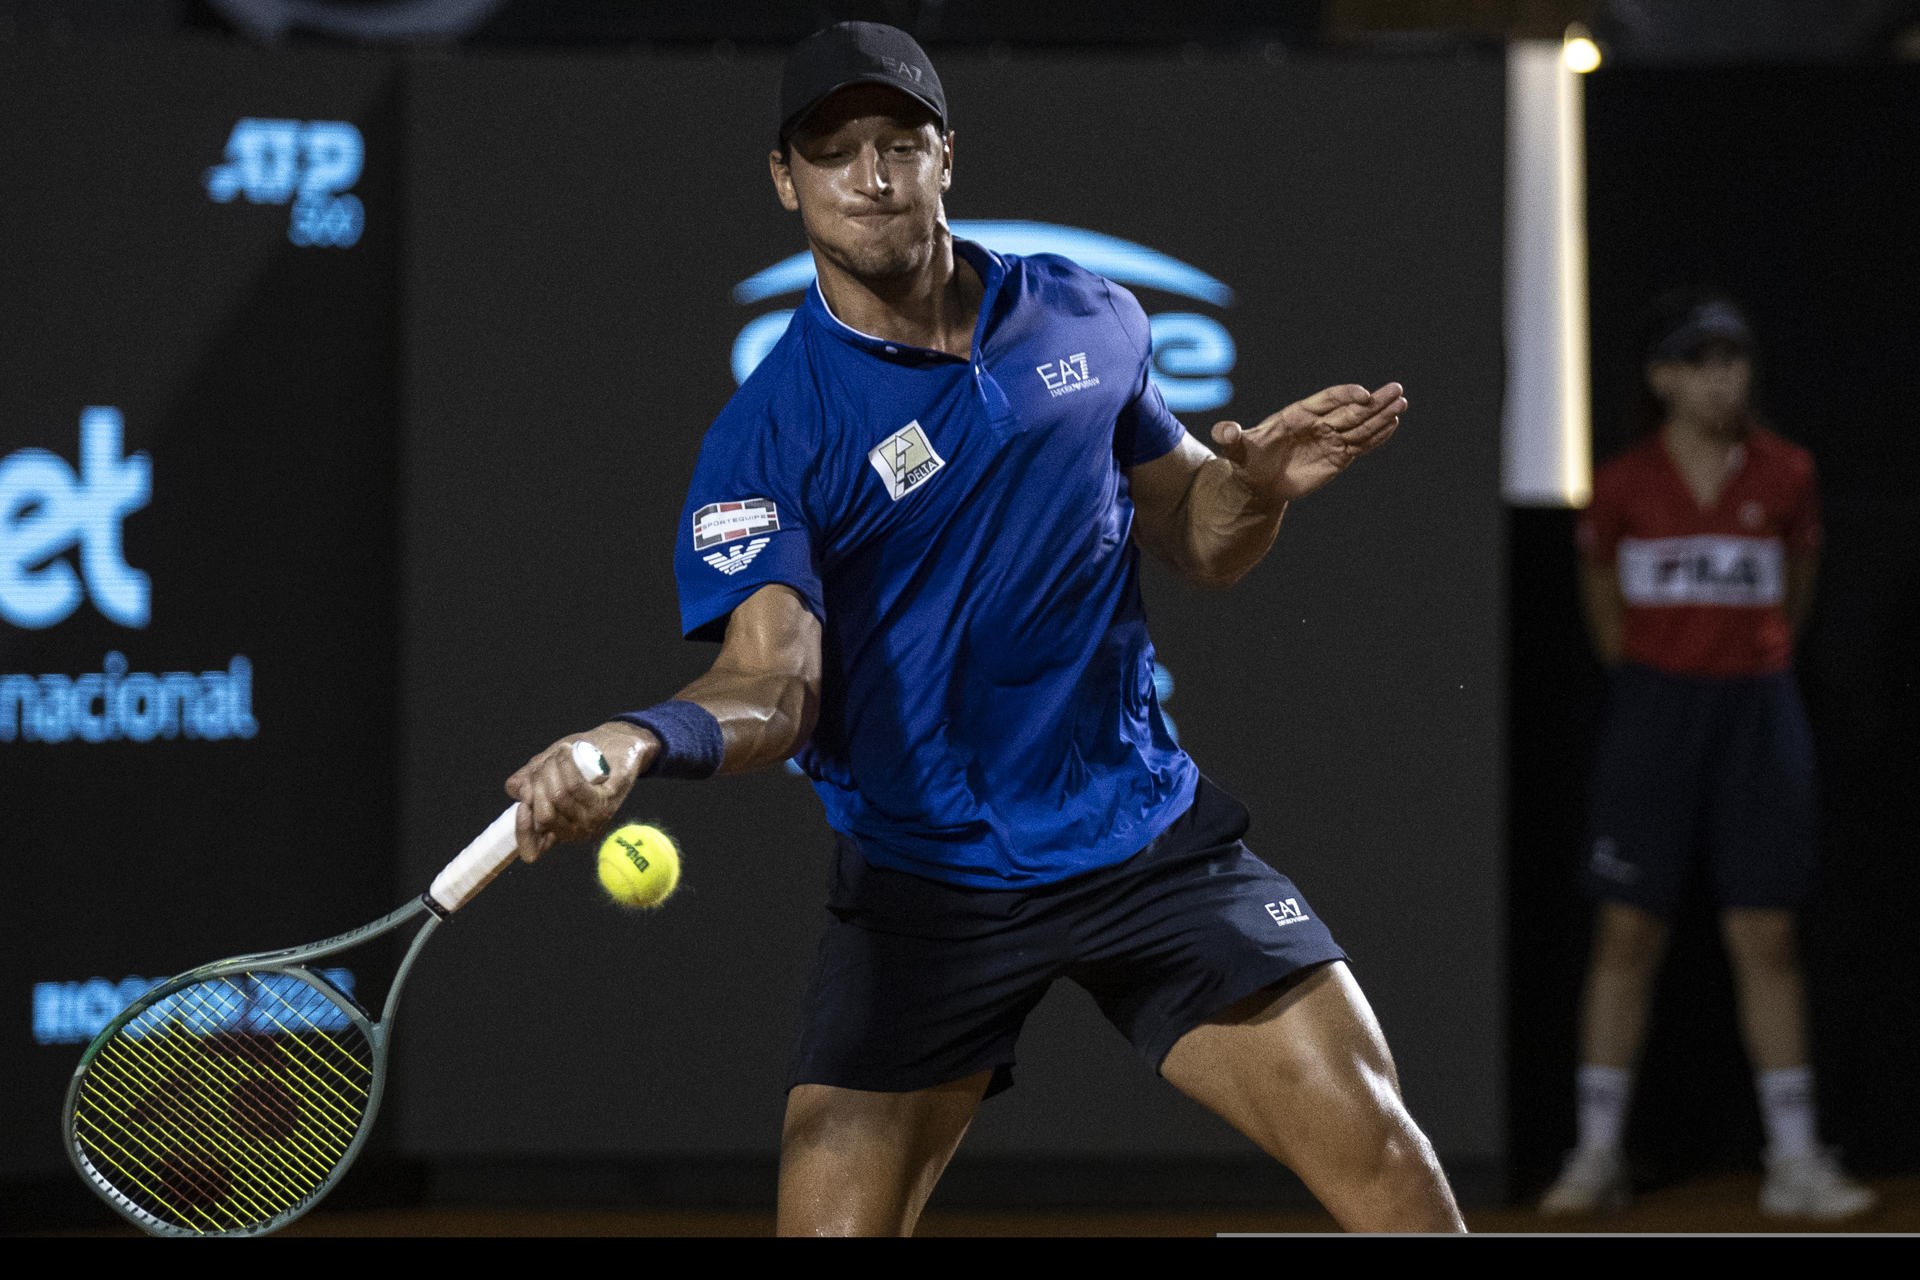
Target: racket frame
{"x":291,"y":961}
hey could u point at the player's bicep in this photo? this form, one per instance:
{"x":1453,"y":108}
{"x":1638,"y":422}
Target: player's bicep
{"x":772,"y":632}
{"x":1160,"y":491}
{"x":764,"y":688}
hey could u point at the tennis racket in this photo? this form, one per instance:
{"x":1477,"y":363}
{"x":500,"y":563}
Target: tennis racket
{"x":229,"y":1100}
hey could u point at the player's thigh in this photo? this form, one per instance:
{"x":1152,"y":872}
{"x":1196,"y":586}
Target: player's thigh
{"x":1305,"y":1072}
{"x":859,"y":1162}
{"x":1764,"y":830}
{"x":1628,"y":939}
{"x":1647,"y":788}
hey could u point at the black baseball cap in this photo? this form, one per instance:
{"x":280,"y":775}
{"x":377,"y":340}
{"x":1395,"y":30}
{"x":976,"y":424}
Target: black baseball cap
{"x":850,"y":53}
{"x":1711,"y":320}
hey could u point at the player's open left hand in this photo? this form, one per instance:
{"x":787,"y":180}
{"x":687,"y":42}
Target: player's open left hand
{"x":1308,"y":443}
{"x":559,"y":805}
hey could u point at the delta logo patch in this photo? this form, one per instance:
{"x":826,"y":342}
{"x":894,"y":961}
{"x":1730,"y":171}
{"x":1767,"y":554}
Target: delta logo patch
{"x":737,"y":558}
{"x":905,"y":460}
{"x":719,"y":522}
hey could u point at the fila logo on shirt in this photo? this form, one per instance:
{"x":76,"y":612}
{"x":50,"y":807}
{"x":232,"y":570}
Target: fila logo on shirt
{"x":1711,"y":568}
{"x":1286,"y":911}
{"x":1067,"y":374}
{"x":905,"y":460}
{"x":737,"y":558}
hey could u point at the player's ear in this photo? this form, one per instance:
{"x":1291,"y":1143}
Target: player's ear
{"x":1660,"y":375}
{"x":946,"y":162}
{"x":778,"y":164}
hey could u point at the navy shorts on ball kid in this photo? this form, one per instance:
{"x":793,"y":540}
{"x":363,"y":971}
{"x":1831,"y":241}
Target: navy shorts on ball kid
{"x":1689,"y":764}
{"x":919,"y":983}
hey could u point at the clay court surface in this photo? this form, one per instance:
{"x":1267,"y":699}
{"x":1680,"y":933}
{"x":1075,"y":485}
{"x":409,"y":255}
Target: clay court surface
{"x":1717,"y":1205}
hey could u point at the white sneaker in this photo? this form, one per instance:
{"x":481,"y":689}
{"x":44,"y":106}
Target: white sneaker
{"x":1813,"y":1187}
{"x":1593,"y":1180}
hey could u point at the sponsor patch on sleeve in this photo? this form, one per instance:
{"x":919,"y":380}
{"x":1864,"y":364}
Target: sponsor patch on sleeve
{"x":721,"y":522}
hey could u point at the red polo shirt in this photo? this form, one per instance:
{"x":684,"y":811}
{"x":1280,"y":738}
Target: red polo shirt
{"x":1705,"y":586}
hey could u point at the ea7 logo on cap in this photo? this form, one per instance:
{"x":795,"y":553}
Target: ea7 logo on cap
{"x":905,"y":460}
{"x":719,"y":522}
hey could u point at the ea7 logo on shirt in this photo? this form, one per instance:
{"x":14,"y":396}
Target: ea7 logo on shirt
{"x":737,"y":558}
{"x":727,"y":521}
{"x":1286,"y":911}
{"x":1067,"y":374}
{"x":905,"y":460}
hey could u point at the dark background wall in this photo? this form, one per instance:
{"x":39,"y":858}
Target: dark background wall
{"x":259,"y":378}
{"x":1785,"y":186}
{"x":425,"y":482}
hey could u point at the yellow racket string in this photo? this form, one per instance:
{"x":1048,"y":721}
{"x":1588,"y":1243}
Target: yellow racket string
{"x":207,"y":1129}
{"x":200,"y":1058}
{"x":189,"y":1130}
{"x":349,"y":1109}
{"x":121,"y":1169}
{"x":344,"y":1122}
{"x":235,"y":1125}
{"x":322,"y":1033}
{"x":188,"y":1178}
{"x":190,"y":1135}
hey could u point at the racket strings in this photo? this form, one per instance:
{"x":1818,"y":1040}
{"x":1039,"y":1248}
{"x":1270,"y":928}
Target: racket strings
{"x":227,"y":1103}
{"x":183,"y":1135}
{"x":210,"y":1144}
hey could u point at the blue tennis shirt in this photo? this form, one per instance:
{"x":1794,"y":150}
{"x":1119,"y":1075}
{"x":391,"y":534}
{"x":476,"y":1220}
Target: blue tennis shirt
{"x":960,"y":528}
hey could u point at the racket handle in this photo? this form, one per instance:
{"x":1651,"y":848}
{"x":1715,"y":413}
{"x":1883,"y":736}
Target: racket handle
{"x":478,"y":863}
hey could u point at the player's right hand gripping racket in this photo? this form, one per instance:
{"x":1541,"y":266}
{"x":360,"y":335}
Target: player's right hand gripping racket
{"x":229,"y":1100}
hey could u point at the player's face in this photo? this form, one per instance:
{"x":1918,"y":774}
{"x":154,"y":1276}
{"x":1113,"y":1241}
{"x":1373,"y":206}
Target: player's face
{"x":866,"y":176}
{"x":1712,"y":389}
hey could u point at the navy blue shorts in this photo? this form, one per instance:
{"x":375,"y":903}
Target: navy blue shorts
{"x":1687,"y":765}
{"x":920,"y":983}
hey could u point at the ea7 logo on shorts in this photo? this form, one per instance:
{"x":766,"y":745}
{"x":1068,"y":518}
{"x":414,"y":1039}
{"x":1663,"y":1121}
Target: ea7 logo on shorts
{"x":719,"y":522}
{"x":1069,"y":373}
{"x":905,"y":460}
{"x":1286,"y":911}
{"x":737,"y":558}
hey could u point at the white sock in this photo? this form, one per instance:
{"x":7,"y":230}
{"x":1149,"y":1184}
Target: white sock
{"x":1786,"y":1105}
{"x":1603,"y":1093}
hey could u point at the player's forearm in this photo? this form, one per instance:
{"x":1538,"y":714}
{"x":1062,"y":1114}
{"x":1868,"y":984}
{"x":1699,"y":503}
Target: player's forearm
{"x":1226,"y":526}
{"x":763,"y":717}
{"x":1605,"y":612}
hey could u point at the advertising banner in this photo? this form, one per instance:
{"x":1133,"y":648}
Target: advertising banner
{"x":198,"y":437}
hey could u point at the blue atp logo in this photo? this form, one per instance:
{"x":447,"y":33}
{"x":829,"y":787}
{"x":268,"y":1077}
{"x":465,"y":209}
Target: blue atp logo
{"x":1192,"y":352}
{"x":308,"y":164}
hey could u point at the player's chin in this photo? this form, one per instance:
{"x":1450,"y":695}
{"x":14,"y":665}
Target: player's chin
{"x":893,"y":248}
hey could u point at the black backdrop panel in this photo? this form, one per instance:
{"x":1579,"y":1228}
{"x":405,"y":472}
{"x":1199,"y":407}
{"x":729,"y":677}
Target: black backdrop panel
{"x":1765,"y":182}
{"x":577,"y":230}
{"x":230,"y":364}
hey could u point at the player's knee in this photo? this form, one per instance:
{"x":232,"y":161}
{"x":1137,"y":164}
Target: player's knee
{"x":1628,"y":942}
{"x":1763,"y":941}
{"x":1400,"y":1174}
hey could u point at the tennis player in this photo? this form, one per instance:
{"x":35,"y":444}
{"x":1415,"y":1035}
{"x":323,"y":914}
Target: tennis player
{"x":913,"y":531}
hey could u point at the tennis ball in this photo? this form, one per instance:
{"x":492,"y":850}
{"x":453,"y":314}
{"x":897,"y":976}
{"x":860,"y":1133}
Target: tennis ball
{"x":639,"y":865}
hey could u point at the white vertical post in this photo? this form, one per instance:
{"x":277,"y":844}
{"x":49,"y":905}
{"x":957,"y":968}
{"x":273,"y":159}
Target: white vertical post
{"x":1548,"y":408}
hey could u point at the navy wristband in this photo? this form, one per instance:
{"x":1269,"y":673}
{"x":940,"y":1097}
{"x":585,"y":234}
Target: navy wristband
{"x":691,"y":744}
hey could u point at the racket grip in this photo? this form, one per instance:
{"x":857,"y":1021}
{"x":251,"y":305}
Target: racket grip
{"x":477,"y":864}
{"x":488,"y":855}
